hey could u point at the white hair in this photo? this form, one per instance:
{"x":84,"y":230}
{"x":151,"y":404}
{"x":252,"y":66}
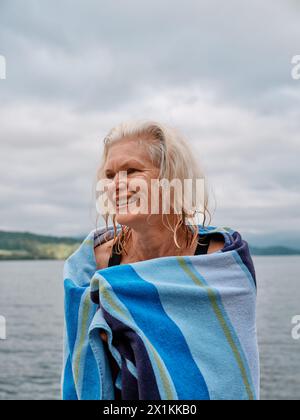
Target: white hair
{"x":168,"y":149}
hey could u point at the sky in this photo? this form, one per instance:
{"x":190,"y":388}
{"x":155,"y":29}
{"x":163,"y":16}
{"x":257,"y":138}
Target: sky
{"x":218,"y":71}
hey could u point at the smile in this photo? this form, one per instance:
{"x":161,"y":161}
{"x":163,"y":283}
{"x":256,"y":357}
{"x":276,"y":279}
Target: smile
{"x":123,"y":202}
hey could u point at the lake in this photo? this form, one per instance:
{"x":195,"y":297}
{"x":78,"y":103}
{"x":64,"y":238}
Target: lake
{"x":31,"y":299}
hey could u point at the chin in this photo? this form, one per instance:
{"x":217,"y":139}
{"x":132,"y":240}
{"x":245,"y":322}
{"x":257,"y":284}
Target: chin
{"x":131,"y":220}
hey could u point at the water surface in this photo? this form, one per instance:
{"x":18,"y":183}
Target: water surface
{"x":31,"y":299}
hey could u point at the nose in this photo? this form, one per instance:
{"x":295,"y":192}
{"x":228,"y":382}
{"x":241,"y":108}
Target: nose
{"x":118,"y":185}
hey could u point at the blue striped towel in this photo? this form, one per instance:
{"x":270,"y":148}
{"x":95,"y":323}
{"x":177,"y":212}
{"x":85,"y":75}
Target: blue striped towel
{"x":179,"y":328}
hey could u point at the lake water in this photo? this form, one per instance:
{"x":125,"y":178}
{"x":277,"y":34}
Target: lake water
{"x":31,"y":299}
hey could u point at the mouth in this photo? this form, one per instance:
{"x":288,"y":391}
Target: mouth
{"x":123,"y":202}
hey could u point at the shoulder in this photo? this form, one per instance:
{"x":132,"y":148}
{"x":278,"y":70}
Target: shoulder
{"x":218,"y":235}
{"x":216,"y":243}
{"x":102,"y":254}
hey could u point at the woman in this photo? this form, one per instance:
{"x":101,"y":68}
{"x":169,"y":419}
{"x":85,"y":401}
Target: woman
{"x":137,"y":149}
{"x":135,"y":155}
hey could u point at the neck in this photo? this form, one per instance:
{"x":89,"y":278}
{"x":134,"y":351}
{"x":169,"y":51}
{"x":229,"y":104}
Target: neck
{"x":157,"y":241}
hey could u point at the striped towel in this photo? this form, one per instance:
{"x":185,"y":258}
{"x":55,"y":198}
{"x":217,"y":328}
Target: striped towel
{"x":179,"y":328}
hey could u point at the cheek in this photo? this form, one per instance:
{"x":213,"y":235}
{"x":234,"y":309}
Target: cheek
{"x":140,"y":185}
{"x":111,"y":188}
{"x":152,"y":175}
{"x":141,"y":182}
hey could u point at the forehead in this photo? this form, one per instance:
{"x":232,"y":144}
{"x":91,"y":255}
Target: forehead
{"x":127,"y":151}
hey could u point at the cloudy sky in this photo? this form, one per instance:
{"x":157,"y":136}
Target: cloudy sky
{"x":219,"y":71}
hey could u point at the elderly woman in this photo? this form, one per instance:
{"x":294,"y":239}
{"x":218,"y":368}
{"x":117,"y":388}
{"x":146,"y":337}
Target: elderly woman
{"x":158,"y":248}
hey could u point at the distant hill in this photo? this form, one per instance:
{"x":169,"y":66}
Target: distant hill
{"x":274,"y":250}
{"x":28,"y":246}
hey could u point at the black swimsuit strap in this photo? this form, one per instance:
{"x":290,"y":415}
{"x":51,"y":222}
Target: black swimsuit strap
{"x":115,"y":258}
{"x":202,"y":248}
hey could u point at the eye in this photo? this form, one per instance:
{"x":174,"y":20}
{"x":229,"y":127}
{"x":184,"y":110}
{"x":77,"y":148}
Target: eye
{"x":132,"y":170}
{"x":109,"y":176}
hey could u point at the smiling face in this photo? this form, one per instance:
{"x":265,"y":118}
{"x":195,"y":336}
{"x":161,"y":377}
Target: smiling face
{"x":130,"y":157}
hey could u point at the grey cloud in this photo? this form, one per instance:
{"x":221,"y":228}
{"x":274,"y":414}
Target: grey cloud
{"x":221,"y":74}
{"x":101,"y":53}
